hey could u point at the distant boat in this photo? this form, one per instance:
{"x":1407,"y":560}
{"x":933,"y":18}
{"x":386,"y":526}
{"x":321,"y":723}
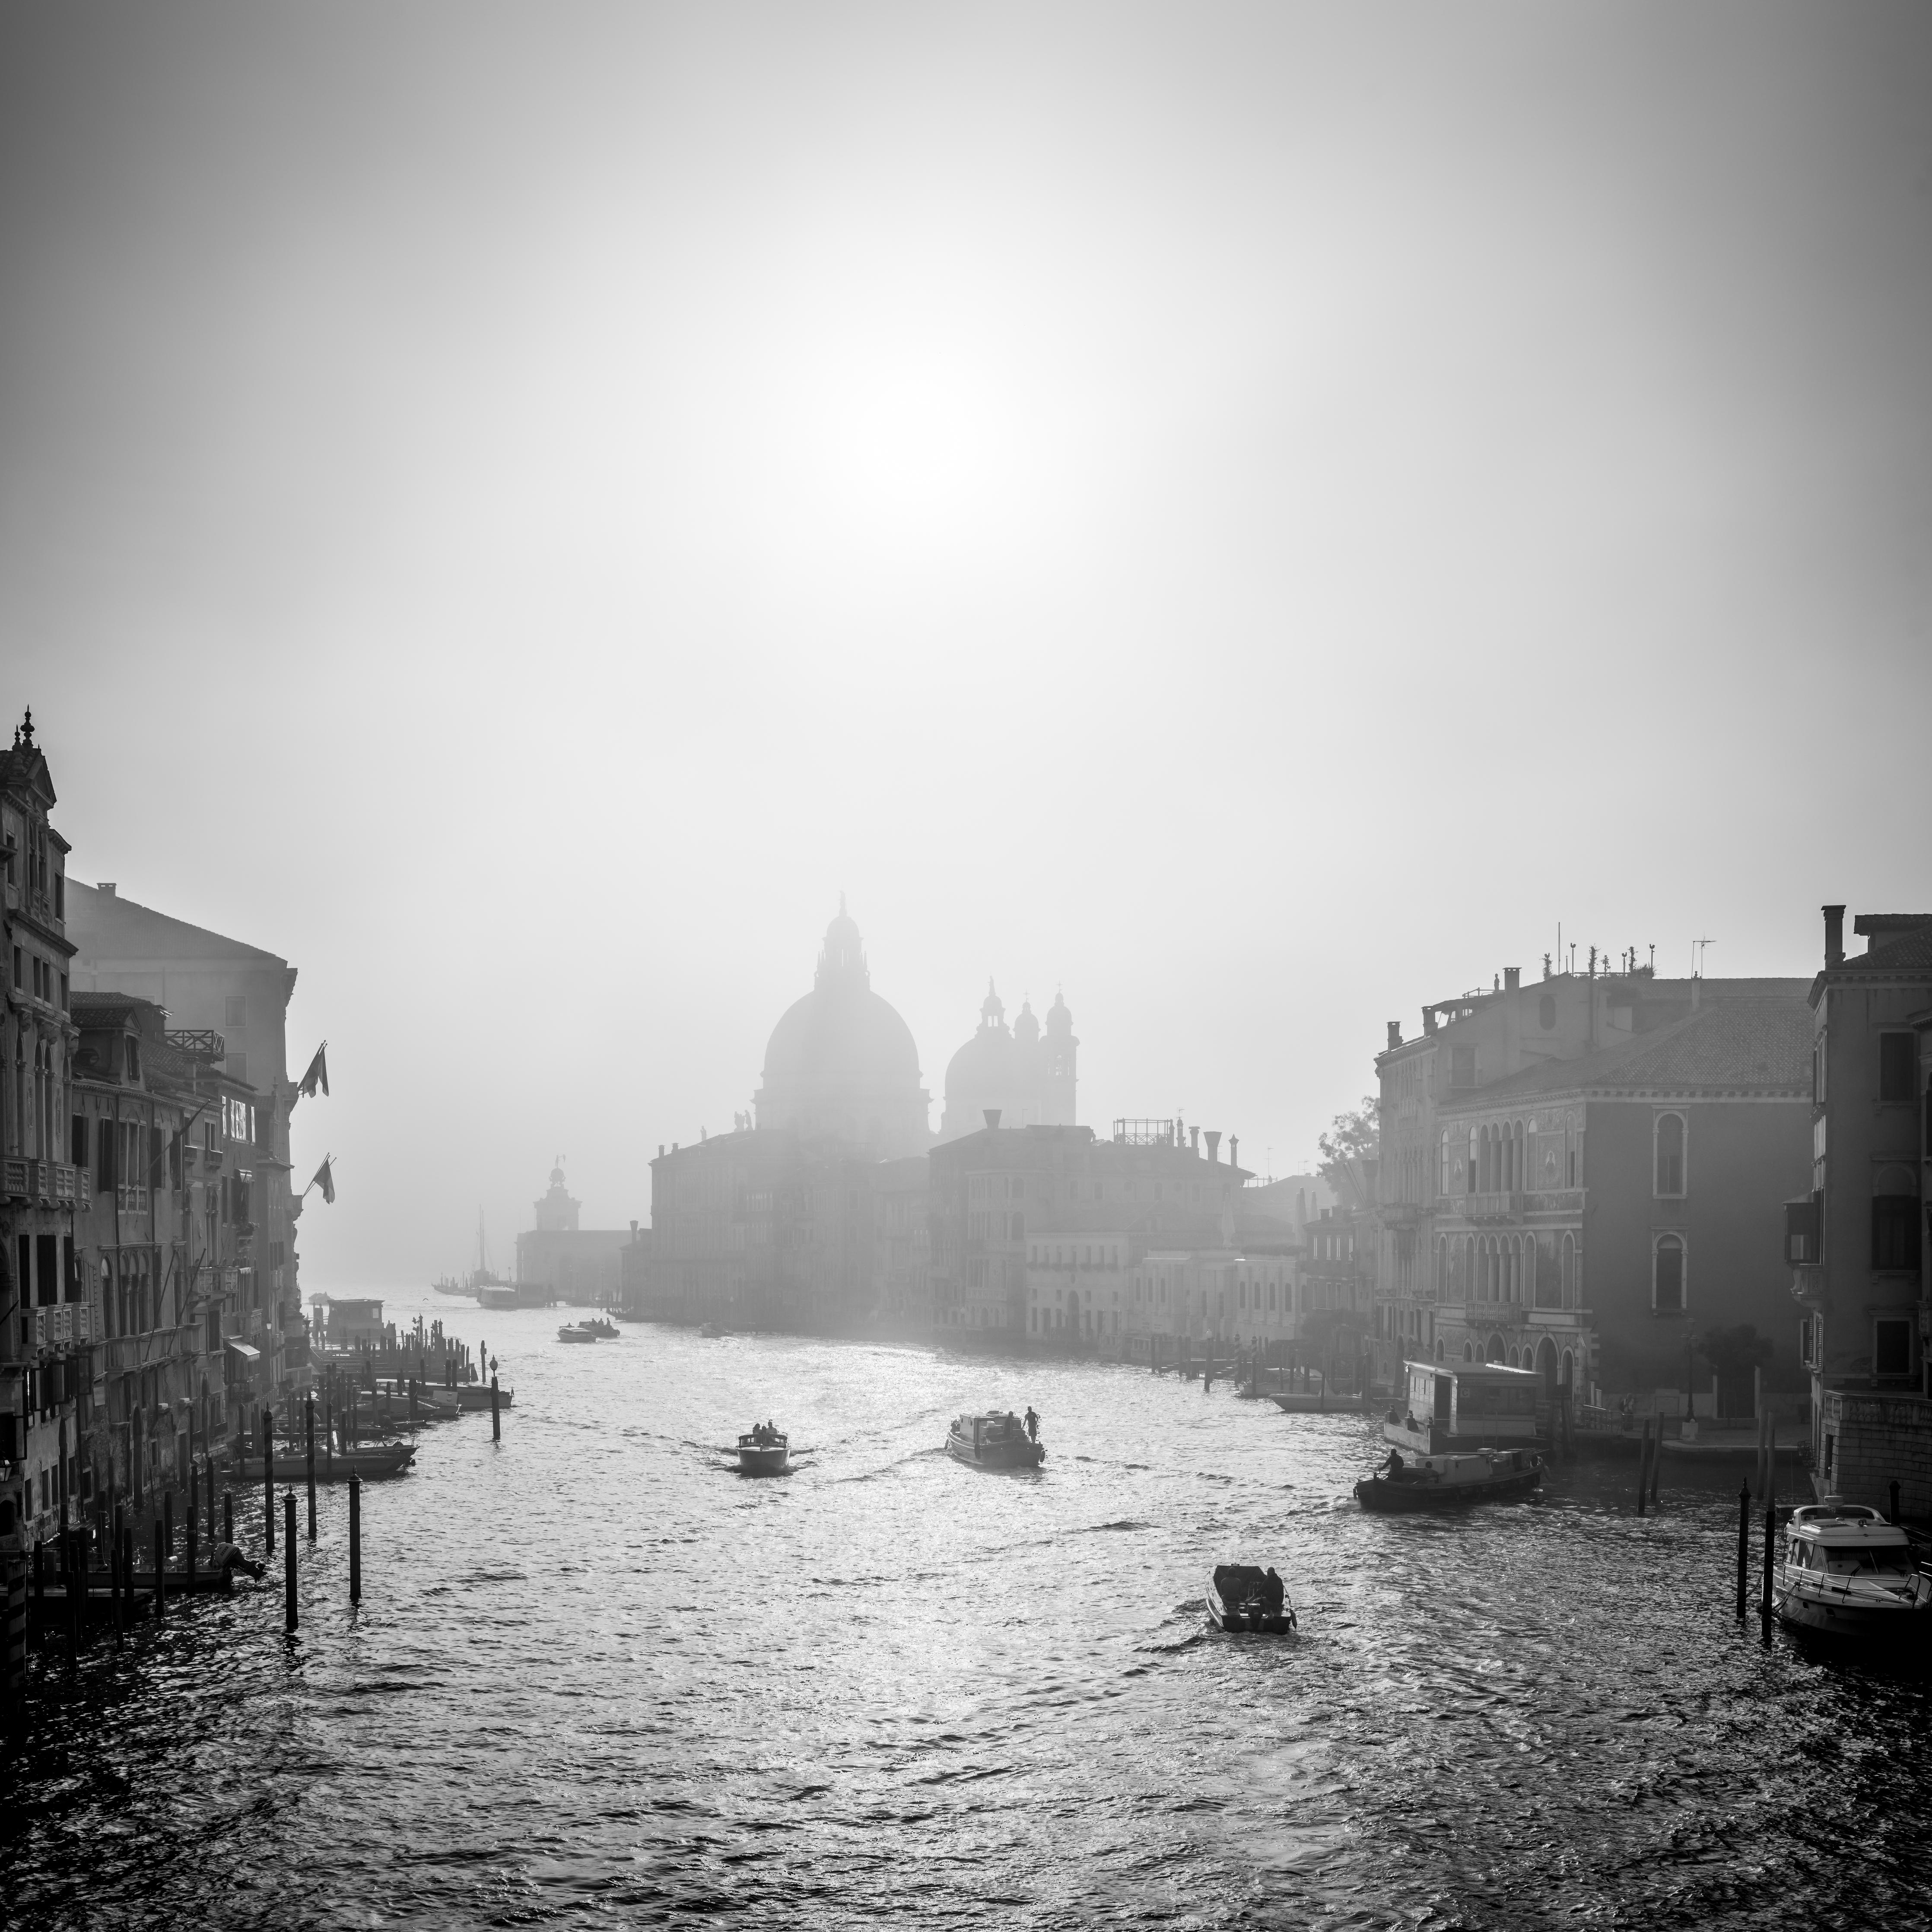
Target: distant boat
{"x":568,"y":1334}
{"x":603,"y":1330}
{"x":472,"y":1395}
{"x":1238,"y":1599}
{"x":494,"y":1294}
{"x":448,"y":1284}
{"x":994,"y":1441}
{"x":763,"y":1452}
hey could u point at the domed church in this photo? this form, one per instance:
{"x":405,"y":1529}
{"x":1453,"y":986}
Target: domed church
{"x":842,"y":1064}
{"x":1029,"y":1078}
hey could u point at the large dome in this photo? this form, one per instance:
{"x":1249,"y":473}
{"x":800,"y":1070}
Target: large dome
{"x":841,"y":1062}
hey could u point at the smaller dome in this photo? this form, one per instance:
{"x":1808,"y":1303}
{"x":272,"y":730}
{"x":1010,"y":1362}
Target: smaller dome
{"x":1026,"y":1028}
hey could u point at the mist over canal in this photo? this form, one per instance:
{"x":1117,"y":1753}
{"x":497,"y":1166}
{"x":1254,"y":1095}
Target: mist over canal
{"x":599,"y":1678}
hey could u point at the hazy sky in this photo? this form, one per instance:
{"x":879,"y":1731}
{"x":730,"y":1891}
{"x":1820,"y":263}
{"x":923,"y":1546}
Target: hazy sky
{"x":1251,"y":515}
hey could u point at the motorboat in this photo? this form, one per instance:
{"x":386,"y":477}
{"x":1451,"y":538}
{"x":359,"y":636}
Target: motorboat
{"x":1846,"y":1572}
{"x":471,"y":1395}
{"x":370,"y":1462}
{"x":569,"y":1334}
{"x":998,"y":1440}
{"x":601,"y":1327}
{"x":1240,"y":1597}
{"x":764,"y":1451}
{"x":1450,"y":1481}
{"x":495,"y":1295}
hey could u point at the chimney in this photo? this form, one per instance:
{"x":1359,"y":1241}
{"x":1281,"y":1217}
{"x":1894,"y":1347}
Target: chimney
{"x":105,"y":888}
{"x":633,"y":1231}
{"x":661,"y":1150}
{"x":1194,"y":1140}
{"x":1214,"y":1143}
{"x":1428,"y":1019}
{"x":992,"y":1114}
{"x":1234,"y":1150}
{"x":1512,"y":978}
{"x":1696,"y":987}
{"x":1834,"y":933}
{"x":1395,"y":1034}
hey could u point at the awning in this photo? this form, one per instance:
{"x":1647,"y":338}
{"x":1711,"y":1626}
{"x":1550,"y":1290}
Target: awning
{"x":242,"y":1349}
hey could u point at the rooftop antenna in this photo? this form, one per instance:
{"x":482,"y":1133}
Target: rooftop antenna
{"x":1653,"y":955}
{"x":1697,"y":956}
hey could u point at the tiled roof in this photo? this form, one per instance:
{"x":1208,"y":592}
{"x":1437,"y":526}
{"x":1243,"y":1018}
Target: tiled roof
{"x":1908,"y":953}
{"x":1727,"y":1046}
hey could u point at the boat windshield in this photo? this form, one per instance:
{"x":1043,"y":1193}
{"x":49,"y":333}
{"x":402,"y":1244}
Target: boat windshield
{"x":1862,"y":1562}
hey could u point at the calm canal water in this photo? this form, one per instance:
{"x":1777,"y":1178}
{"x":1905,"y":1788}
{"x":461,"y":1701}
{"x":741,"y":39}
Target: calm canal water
{"x":598,"y":1679}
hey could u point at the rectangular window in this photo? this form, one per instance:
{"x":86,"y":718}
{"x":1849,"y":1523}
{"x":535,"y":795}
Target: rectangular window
{"x":64,"y":993}
{"x":103,"y":1148}
{"x":1895,"y":1231}
{"x":234,"y":1012}
{"x":1801,"y":1233}
{"x":60,"y":910}
{"x":77,"y":1141}
{"x":1891,"y":1346}
{"x":1897,"y":1066}
{"x":20,"y":969}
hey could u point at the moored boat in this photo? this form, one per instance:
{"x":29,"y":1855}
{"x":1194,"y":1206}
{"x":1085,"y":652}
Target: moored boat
{"x":1451,"y":1482}
{"x":998,"y":1440}
{"x":1848,"y":1573}
{"x":471,"y":1395}
{"x":763,"y":1451}
{"x":569,"y":1334}
{"x":1243,"y":1597}
{"x":372,"y":1462}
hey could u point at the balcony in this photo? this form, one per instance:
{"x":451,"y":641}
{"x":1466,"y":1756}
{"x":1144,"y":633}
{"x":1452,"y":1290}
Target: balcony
{"x":70,"y":1325}
{"x":128,"y":1352}
{"x":51,"y":1183}
{"x":202,"y":1042}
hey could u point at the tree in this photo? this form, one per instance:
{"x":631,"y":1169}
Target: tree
{"x":1353,"y":1137}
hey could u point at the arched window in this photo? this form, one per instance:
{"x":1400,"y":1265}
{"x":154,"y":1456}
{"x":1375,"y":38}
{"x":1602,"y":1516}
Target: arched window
{"x":1469,"y":1351}
{"x":1670,"y":1137}
{"x":1667,"y":1285}
{"x":1475,"y":1161}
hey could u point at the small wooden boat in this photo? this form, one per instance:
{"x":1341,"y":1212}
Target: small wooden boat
{"x":372,"y":1461}
{"x":575,"y":1335}
{"x":1239,"y":1598}
{"x":1452,"y":1482}
{"x":1848,"y":1573}
{"x":994,"y":1441}
{"x":471,"y":1396}
{"x":763,"y":1452}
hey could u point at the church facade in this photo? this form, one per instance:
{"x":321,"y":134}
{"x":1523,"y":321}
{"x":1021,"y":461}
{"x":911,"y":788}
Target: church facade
{"x":1024,"y":1073}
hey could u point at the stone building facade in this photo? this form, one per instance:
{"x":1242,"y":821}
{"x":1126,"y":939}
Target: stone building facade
{"x":1002,"y":1196}
{"x":1856,"y":1238}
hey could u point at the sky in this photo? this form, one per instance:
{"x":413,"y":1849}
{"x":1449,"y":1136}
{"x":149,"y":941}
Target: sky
{"x":1250,"y":515}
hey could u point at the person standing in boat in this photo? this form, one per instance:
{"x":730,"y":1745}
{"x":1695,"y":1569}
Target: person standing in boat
{"x":1032,"y":1425}
{"x":1394,"y":1465}
{"x":1273,"y":1592}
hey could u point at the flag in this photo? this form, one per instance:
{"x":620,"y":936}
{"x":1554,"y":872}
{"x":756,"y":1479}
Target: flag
{"x":324,"y":1179}
{"x":317,"y":1075}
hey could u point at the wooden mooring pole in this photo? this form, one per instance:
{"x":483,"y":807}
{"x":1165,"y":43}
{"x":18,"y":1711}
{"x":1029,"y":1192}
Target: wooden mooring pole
{"x":355,"y":1539}
{"x":495,"y":1413}
{"x":310,"y":1419}
{"x":228,"y":1516}
{"x":160,"y":1574}
{"x":268,"y":1480}
{"x":1770,"y":1548}
{"x":1642,"y":1465}
{"x":289,"y":1561}
{"x":1743,"y":1547}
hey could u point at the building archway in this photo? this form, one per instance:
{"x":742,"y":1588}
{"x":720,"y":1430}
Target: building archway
{"x":1497,"y":1352}
{"x":1545,"y":1361}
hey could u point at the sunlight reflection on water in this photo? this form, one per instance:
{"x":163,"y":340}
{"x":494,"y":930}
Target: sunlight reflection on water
{"x":599,"y":1678}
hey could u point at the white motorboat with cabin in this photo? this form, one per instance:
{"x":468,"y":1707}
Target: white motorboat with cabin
{"x":1846,"y":1572}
